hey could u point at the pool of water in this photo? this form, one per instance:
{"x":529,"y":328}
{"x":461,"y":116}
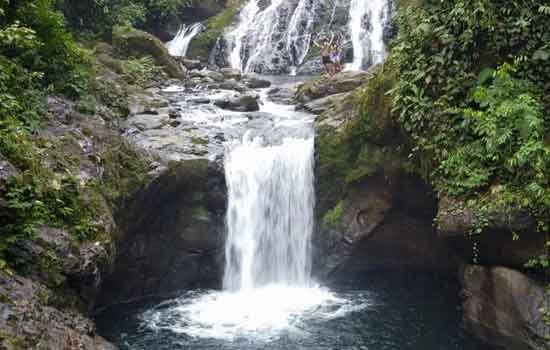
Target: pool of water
{"x":391,"y":311}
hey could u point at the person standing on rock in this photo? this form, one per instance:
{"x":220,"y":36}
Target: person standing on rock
{"x":324,"y":45}
{"x":336,"y":53}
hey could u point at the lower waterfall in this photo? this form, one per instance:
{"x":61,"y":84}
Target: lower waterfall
{"x":270,"y":214}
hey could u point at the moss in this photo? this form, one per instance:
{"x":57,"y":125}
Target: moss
{"x":199,"y":140}
{"x":12,"y":342}
{"x":333,"y":217}
{"x":130,"y":42}
{"x":125,"y":171}
{"x":367,"y":144}
{"x":200,"y":213}
{"x":203,"y":43}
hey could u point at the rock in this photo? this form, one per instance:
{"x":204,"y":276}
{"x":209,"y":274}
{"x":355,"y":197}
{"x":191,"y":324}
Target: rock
{"x":172,"y":234}
{"x":200,"y":100}
{"x":322,"y":105}
{"x":207,"y":74}
{"x":232,"y":84}
{"x":454,"y":218}
{"x":175,"y":123}
{"x":495,"y":242}
{"x":325,"y":86}
{"x":280,"y":95}
{"x":173,"y":113}
{"x":133,"y":42}
{"x":191,"y":64}
{"x":244,"y":103}
{"x":379,"y":221}
{"x":31,"y":319}
{"x":502,"y":307}
{"x":256,"y":83}
{"x":231,"y":73}
{"x":6,"y":169}
{"x":147,"y":121}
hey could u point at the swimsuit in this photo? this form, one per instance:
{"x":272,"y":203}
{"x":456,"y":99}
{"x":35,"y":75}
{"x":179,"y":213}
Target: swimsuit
{"x":335,"y":57}
{"x":326,"y":60}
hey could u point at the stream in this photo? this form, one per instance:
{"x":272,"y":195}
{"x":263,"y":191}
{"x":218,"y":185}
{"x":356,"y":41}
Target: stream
{"x":269,"y":299}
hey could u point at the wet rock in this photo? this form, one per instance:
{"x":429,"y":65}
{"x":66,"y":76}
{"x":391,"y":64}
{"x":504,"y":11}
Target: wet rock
{"x":281,"y":95}
{"x":231,"y":73}
{"x":175,"y":123}
{"x":172,"y":234}
{"x":147,"y":121}
{"x":244,"y":103}
{"x":232,"y":84}
{"x":256,"y":83}
{"x":207,"y":74}
{"x":322,"y":105}
{"x":325,"y":86}
{"x":200,"y":100}
{"x":502,"y":307}
{"x":191,"y":64}
{"x":173,"y":113}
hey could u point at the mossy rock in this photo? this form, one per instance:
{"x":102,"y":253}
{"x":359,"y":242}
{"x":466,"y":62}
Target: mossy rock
{"x":203,"y":43}
{"x":130,"y":42}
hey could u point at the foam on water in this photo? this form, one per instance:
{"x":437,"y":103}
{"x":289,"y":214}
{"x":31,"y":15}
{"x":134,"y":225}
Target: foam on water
{"x":259,"y":314}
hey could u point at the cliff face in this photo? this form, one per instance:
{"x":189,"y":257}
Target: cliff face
{"x":375,"y":213}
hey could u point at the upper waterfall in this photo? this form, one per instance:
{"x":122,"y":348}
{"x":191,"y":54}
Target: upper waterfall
{"x":276,"y":36}
{"x":180,"y":44}
{"x":367,"y":20}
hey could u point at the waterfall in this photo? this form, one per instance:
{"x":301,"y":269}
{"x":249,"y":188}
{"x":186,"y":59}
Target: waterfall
{"x":179,"y":45}
{"x":276,"y":36}
{"x":300,"y":30}
{"x":273,"y":38}
{"x":270,"y":214}
{"x":366,"y":23}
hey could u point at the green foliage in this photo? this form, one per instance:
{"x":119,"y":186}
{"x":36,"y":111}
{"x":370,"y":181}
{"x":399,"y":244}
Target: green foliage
{"x":333,"y":217}
{"x":141,"y":71}
{"x":34,"y":199}
{"x":96,"y":18}
{"x":473,"y":94}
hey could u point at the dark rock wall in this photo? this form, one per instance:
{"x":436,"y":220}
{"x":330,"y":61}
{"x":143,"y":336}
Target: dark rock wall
{"x":173,"y":234}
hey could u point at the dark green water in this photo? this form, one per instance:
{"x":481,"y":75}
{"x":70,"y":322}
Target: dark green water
{"x":399,"y":312}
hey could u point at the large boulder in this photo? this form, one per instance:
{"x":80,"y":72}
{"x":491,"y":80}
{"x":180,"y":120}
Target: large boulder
{"x":242,"y":103}
{"x":133,"y":42}
{"x":172,"y":234}
{"x":325,"y":86}
{"x":502,"y":307}
{"x":372,"y":213}
{"x":505,"y":238}
{"x":31,"y":319}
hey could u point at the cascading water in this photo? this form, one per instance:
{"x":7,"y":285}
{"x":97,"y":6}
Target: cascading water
{"x":280,"y":32}
{"x":367,"y":22}
{"x":270,"y":214}
{"x":267,"y":284}
{"x":277,"y":37}
{"x":180,"y":44}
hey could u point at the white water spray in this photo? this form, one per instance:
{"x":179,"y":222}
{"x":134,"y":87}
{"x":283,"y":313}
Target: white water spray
{"x":367,"y":21}
{"x":180,"y":44}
